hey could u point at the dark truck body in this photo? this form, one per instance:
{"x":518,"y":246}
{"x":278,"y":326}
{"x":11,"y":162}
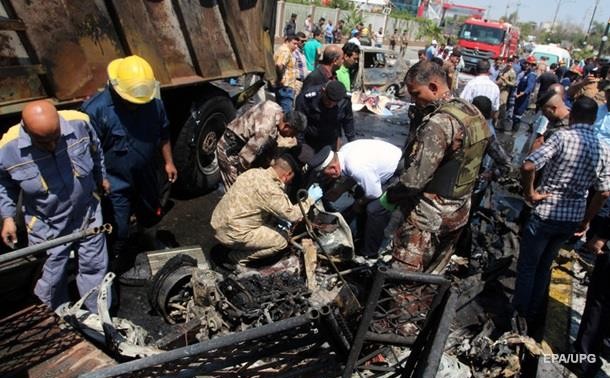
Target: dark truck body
{"x":59,"y":50}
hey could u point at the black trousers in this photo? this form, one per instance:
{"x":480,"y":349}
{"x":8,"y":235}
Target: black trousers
{"x":595,"y":323}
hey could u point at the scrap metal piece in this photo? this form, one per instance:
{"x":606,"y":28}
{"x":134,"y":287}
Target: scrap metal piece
{"x":429,"y":345}
{"x":120,"y":335}
{"x":205,"y":347}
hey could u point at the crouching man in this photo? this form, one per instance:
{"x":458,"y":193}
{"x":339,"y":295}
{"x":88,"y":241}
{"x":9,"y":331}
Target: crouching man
{"x":251,"y":140}
{"x":243,"y":219}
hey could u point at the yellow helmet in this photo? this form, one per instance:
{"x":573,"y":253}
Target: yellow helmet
{"x":133,"y":79}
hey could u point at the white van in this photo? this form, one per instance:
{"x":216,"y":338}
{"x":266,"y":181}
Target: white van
{"x":552,"y":53}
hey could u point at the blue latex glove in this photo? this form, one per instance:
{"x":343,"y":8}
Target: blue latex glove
{"x":383,"y":201}
{"x":315,"y":192}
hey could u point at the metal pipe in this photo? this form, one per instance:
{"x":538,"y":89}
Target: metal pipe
{"x":36,"y":248}
{"x":203,"y":347}
{"x":352,"y":270}
{"x":440,"y":336}
{"x":333,"y":327}
{"x":301,"y":197}
{"x":426,"y":278}
{"x":365,"y":321}
{"x":389,"y":339}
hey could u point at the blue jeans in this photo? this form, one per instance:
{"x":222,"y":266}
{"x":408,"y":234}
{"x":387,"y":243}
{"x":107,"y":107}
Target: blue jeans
{"x":540,"y":243}
{"x":285,"y":97}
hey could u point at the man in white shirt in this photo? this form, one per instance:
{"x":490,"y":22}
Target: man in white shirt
{"x":482,"y":85}
{"x":371,"y":163}
{"x":355,"y":39}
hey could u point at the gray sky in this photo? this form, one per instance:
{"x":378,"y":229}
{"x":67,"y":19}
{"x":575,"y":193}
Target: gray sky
{"x":576,"y":11}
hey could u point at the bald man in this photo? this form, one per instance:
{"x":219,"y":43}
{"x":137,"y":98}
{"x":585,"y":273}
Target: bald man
{"x":54,"y":159}
{"x":332,"y":59}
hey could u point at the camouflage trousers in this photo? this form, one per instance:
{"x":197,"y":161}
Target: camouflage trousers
{"x":229,"y":166}
{"x":414,"y":249}
{"x":257,"y":244}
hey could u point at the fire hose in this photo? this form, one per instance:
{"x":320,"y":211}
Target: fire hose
{"x":302,"y":196}
{"x":36,"y":248}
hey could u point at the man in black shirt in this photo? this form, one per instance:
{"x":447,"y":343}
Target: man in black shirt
{"x":328,"y":110}
{"x":332,"y":59}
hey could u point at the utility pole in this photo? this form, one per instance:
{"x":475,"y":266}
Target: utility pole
{"x":591,"y":22}
{"x":506,"y":11}
{"x":555,"y":16}
{"x":517,"y":11}
{"x":604,"y":40}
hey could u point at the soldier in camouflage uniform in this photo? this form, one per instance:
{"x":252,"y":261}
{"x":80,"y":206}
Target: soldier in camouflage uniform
{"x":243,"y":219}
{"x":251,"y":139}
{"x":441,"y":166}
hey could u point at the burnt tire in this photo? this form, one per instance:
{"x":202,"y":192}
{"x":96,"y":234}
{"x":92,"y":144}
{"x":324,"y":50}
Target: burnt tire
{"x":195,"y":148}
{"x":172,"y":284}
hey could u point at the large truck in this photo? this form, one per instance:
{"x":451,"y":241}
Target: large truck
{"x":59,"y":50}
{"x":482,"y":39}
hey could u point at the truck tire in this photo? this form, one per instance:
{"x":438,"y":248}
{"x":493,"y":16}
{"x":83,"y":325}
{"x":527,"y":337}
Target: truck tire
{"x":195,"y":148}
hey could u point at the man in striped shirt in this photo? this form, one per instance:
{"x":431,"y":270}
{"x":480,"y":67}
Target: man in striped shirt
{"x":574,"y":160}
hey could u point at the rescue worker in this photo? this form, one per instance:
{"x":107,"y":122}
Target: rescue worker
{"x":251,"y":140}
{"x":55,"y":160}
{"x":524,"y":89}
{"x":371,"y":164}
{"x":441,"y":165}
{"x":328,"y":111}
{"x":132,"y":126}
{"x":242,"y":220}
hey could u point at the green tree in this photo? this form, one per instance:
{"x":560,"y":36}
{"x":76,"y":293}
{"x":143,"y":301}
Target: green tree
{"x":353,"y":18}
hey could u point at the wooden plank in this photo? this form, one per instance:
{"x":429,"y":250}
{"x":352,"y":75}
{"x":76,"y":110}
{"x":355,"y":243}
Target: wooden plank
{"x":310,"y":257}
{"x":57,"y":45}
{"x":140,"y":35}
{"x":203,"y":28}
{"x":9,"y":24}
{"x":243,"y":20}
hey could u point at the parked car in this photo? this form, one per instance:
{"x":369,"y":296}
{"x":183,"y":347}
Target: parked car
{"x":382,"y":70}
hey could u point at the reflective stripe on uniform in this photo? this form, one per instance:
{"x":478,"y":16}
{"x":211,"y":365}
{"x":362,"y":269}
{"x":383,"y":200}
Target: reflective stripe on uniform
{"x":10,"y":135}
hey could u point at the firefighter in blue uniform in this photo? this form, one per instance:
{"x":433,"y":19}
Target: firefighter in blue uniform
{"x":54,"y":159}
{"x":132,"y":126}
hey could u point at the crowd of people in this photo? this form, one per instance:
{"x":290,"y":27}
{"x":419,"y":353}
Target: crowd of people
{"x":78,"y":169}
{"x":326,"y":32}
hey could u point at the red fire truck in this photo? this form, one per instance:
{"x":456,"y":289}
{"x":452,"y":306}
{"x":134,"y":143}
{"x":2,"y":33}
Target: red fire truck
{"x":482,"y":39}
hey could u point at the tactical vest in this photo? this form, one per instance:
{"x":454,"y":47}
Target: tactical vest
{"x":459,"y":170}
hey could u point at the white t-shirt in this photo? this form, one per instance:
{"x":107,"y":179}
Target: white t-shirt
{"x":482,"y":85}
{"x":379,"y":38}
{"x":370,"y":163}
{"x":355,"y":41}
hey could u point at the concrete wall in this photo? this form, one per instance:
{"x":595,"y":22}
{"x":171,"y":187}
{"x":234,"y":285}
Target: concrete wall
{"x":377,"y":20}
